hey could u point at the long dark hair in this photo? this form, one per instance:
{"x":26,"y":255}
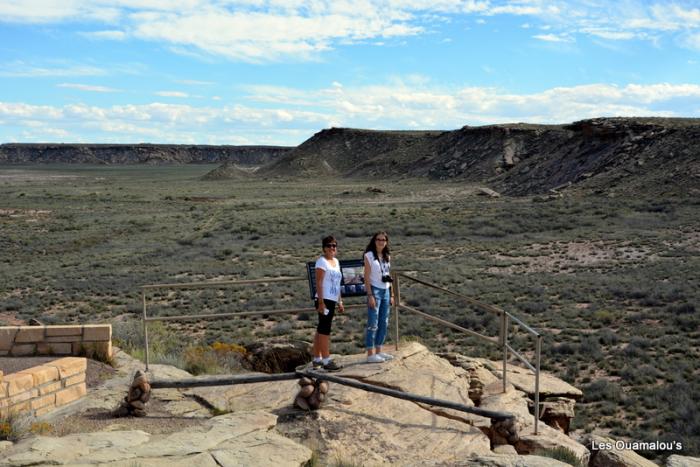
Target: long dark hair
{"x":372,"y":246}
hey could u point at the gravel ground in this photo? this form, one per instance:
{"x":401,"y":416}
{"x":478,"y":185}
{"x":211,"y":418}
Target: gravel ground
{"x":158,"y":421}
{"x":96,"y":371}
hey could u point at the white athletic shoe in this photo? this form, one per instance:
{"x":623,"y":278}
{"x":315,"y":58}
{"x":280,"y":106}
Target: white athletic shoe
{"x":376,"y":358}
{"x":386,"y":356}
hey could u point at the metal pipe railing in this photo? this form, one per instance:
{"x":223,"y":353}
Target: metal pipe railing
{"x":396,"y":290}
{"x":492,"y":414}
{"x":477,"y":303}
{"x":204,"y":285}
{"x":501,"y":340}
{"x":447,"y":323}
{"x":240,"y":313}
{"x":227,"y":380}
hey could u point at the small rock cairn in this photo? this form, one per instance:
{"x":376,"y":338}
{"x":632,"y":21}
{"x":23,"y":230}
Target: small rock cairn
{"x":311,"y":394}
{"x":134,"y":403}
{"x":505,"y":431}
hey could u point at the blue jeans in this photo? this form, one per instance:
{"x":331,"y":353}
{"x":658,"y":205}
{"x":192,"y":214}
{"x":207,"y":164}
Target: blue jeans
{"x":378,"y":318}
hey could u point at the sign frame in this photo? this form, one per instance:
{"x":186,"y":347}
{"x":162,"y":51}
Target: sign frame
{"x":352,"y":283}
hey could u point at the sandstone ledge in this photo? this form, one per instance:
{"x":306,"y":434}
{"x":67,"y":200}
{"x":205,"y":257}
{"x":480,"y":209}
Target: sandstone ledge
{"x":263,"y":427}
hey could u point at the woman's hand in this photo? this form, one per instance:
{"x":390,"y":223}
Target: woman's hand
{"x":371,"y":302}
{"x":320,"y":308}
{"x":391,"y":299}
{"x":341,"y":307}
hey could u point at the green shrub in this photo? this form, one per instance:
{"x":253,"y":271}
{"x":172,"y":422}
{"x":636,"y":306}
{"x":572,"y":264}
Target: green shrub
{"x":561,"y":453}
{"x":602,"y":390}
{"x":14,"y":426}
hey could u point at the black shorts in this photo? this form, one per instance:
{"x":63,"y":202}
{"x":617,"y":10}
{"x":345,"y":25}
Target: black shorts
{"x":325,"y":321}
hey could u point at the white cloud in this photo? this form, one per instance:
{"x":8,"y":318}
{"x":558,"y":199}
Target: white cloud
{"x":21,"y":69}
{"x":105,"y":35}
{"x":172,"y":94}
{"x":254,"y":36}
{"x":520,"y":10}
{"x":692,"y":41}
{"x":39,"y":11}
{"x":158,"y":122}
{"x":612,"y":35}
{"x":552,"y":38}
{"x":398,"y":106}
{"x":282,"y":30}
{"x":194,"y":82}
{"x":273,"y":117}
{"x":87,"y":87}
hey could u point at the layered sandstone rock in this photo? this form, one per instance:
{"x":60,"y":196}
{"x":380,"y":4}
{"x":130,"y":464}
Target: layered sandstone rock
{"x":261,"y":426}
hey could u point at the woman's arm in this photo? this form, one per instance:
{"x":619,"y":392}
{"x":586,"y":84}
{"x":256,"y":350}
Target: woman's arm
{"x":368,"y":284}
{"x":320,"y":273}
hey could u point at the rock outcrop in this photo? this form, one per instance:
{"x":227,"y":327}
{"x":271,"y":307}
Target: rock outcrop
{"x":354,"y":424}
{"x":18,"y":153}
{"x":246,"y":438}
{"x":229,"y":171}
{"x":611,"y":456}
{"x":675,"y":460}
{"x":604,"y":154}
{"x":258,"y":424}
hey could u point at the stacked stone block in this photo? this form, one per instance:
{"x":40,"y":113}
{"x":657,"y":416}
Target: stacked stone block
{"x":88,"y":340}
{"x":41,"y":389}
{"x":135,"y":401}
{"x":312,"y":394}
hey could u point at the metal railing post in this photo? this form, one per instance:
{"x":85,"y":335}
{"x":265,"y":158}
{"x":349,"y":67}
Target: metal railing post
{"x":504,"y":322}
{"x":145,"y":328}
{"x":538,"y":349}
{"x":397,"y":300}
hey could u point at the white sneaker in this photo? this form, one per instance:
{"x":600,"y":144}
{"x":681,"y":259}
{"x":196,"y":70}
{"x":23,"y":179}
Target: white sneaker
{"x":386,"y":356}
{"x":376,"y":358}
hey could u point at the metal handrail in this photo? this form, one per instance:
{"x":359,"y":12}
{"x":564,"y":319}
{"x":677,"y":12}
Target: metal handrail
{"x":214,"y":284}
{"x":477,"y":303}
{"x":202,"y":285}
{"x":502,"y":340}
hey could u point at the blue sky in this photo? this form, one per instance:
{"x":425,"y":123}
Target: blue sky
{"x":276,"y":71}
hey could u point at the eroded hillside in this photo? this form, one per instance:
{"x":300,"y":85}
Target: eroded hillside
{"x":629,"y":154}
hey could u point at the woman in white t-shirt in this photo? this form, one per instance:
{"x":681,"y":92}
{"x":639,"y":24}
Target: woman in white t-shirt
{"x":379,"y":296}
{"x":328,"y":278}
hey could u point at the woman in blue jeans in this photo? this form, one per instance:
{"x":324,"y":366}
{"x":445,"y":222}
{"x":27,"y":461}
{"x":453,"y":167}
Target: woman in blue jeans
{"x":379,"y":296}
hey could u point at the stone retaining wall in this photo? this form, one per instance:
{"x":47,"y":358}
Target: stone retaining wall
{"x":40,"y":389}
{"x":84,"y":340}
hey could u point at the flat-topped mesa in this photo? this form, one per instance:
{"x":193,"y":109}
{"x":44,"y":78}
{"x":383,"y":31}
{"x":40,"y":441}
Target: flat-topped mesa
{"x":515,"y":159}
{"x":152,"y":154}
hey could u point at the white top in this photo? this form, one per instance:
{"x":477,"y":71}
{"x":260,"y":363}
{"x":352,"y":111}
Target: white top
{"x":330,"y":287}
{"x":377,"y":269}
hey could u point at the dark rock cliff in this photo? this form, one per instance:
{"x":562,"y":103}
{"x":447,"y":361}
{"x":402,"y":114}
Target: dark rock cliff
{"x":655,"y":155}
{"x":137,"y":154}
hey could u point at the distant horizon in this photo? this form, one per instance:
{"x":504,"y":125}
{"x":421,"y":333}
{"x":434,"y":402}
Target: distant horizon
{"x":272,"y":72}
{"x":71,"y":143}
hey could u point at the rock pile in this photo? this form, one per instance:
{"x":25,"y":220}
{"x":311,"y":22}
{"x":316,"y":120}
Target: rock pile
{"x":134,"y":402}
{"x":311,"y":394}
{"x":505,"y":432}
